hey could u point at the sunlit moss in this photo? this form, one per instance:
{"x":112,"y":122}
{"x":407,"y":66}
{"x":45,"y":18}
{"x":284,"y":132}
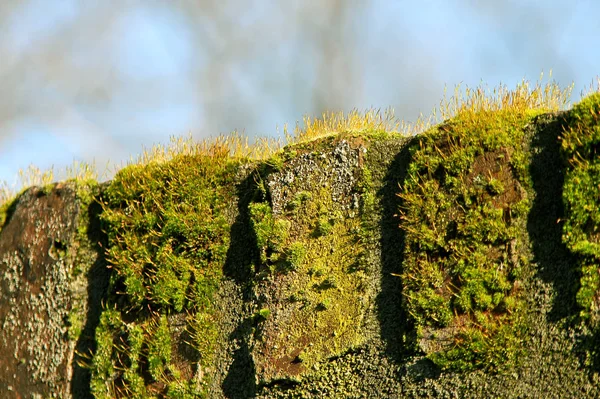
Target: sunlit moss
{"x":465,"y":199}
{"x":168,"y":236}
{"x":313,"y":257}
{"x":581,"y":229}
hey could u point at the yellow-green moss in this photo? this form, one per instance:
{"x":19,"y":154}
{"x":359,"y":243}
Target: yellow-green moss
{"x":4,"y":209}
{"x":309,"y":252}
{"x":464,"y":203}
{"x":103,"y":366}
{"x":581,"y":229}
{"x":327,"y":292}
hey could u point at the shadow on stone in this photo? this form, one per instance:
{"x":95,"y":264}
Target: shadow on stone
{"x":240,"y":382}
{"x":422,"y":369}
{"x":554,"y":260}
{"x":97,"y":287}
{"x":242,"y":253}
{"x":242,"y":258}
{"x":392,"y":318}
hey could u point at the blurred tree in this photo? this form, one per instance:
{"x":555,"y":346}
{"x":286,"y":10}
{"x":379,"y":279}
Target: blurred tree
{"x":245,"y":57}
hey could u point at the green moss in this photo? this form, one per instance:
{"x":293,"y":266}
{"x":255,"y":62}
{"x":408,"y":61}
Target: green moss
{"x":296,"y":255}
{"x":324,"y":226}
{"x":202,"y":326}
{"x":168,"y":232}
{"x":270,"y":233}
{"x":75,"y":322}
{"x":581,"y":229}
{"x":495,"y":186}
{"x":86,"y":254}
{"x":104,"y":362}
{"x":465,"y":202}
{"x":262,"y":314}
{"x":159,"y":349}
{"x":47,"y":188}
{"x":475,"y":342}
{"x":4,"y":210}
{"x":135,"y":382}
{"x":299,"y":199}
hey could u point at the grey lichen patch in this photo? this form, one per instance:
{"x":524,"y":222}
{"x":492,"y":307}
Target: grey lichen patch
{"x":36,"y":262}
{"x":334,"y":168}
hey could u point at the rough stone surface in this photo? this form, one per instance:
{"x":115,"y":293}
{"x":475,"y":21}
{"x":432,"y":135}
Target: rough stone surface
{"x":47,"y":289}
{"x":35,"y":273}
{"x":44,"y":303}
{"x":335,"y":168}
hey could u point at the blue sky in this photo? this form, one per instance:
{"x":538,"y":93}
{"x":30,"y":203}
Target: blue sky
{"x":99,"y":81}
